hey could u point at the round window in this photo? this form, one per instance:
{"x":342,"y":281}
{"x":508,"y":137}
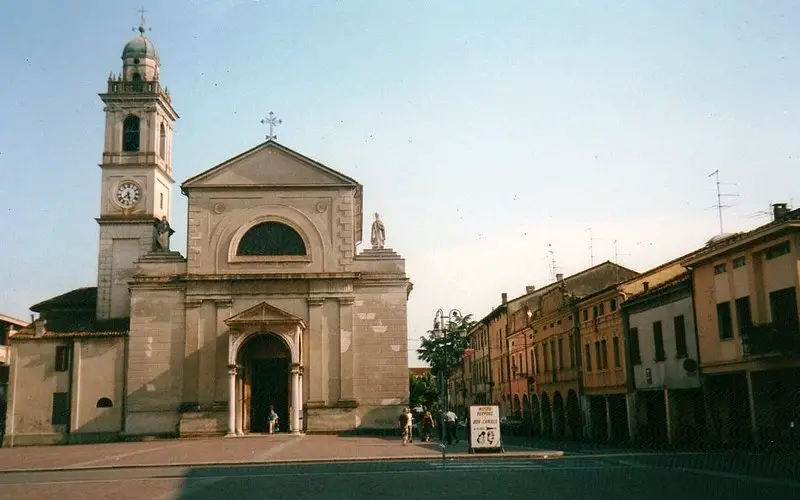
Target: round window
{"x":136,"y":61}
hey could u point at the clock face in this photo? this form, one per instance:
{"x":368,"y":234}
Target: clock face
{"x":128,"y":194}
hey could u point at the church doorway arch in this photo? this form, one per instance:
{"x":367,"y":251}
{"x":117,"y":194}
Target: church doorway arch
{"x":264,"y":362}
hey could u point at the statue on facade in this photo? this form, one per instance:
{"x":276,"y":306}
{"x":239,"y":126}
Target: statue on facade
{"x":378,"y":233}
{"x":163,"y":232}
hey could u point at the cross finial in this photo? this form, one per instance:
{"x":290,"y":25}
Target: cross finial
{"x":142,"y":21}
{"x":273,"y":122}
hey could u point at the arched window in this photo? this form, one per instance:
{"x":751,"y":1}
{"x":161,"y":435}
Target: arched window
{"x":130,"y":134}
{"x":137,"y":82}
{"x":162,"y":142}
{"x":104,"y":403}
{"x":271,"y":238}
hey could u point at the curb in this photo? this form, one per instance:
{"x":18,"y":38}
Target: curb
{"x":514,"y":455}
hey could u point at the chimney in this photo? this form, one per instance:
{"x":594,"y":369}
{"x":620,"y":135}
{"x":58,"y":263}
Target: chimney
{"x":559,"y":277}
{"x":779,"y":210}
{"x":530,"y":289}
{"x":504,"y":297}
{"x":646,"y":285}
{"x":38,"y":327}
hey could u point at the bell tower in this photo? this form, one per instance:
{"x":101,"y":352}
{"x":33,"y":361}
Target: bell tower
{"x":136,"y":188}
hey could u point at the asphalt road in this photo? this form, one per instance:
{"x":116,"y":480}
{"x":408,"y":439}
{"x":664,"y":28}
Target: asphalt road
{"x":612,"y":476}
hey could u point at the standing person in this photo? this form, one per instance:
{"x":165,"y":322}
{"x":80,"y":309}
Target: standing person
{"x":272,"y":419}
{"x":405,"y":425}
{"x":427,"y":426}
{"x":450,"y":423}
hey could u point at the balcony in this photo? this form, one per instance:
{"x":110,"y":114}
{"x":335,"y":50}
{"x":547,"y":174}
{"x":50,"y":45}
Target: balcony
{"x":770,"y":338}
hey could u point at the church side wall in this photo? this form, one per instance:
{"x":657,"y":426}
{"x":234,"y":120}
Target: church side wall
{"x":155,"y":361}
{"x":380,"y":339}
{"x":97,"y":372}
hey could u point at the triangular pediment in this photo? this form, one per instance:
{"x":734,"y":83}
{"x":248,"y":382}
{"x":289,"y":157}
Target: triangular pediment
{"x":269,"y":164}
{"x":264,"y":314}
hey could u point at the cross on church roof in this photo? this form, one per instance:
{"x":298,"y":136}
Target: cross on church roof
{"x":141,"y":20}
{"x":273,"y":121}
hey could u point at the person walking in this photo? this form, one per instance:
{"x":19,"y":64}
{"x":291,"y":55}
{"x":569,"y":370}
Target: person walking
{"x":450,"y":422}
{"x":405,"y":426}
{"x":272,"y":419}
{"x":427,"y":426}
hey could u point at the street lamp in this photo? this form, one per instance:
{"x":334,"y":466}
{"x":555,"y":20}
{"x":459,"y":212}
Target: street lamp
{"x":442,"y":325}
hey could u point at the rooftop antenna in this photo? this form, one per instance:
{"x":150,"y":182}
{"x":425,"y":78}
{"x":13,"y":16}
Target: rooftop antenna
{"x":616,"y":252}
{"x":591,"y":248}
{"x":552,"y":262}
{"x":719,"y":206}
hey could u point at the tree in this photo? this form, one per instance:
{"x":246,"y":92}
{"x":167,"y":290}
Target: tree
{"x":423,"y":391}
{"x":444,"y":347}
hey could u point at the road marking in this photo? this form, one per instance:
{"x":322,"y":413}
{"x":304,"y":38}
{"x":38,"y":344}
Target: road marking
{"x":727,"y":475}
{"x":130,"y":454}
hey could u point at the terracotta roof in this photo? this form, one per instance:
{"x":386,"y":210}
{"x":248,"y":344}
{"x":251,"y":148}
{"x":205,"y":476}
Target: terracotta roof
{"x":78,"y":298}
{"x":14,"y":321}
{"x":683,"y":277}
{"x":70,"y":326}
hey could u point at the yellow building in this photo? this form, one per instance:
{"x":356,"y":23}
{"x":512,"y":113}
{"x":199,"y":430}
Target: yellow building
{"x":746,"y":304}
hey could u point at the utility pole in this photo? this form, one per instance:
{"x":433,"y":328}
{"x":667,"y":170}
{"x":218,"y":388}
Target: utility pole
{"x":719,"y":206}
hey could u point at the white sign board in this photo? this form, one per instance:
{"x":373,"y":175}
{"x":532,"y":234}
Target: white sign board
{"x":5,"y":354}
{"x":484,"y":424}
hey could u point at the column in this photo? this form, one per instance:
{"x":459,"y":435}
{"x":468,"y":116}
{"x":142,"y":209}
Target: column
{"x":633,"y":414}
{"x":296,"y":398}
{"x":609,"y":427}
{"x":316,"y":363}
{"x":231,"y":400}
{"x":669,"y":417}
{"x":752,"y":403}
{"x":346,"y":348}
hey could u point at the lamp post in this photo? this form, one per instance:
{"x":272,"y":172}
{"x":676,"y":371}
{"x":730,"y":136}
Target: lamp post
{"x":442,"y":325}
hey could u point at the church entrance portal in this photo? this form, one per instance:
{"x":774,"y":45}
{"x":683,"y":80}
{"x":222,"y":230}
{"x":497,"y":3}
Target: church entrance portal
{"x":265,"y":361}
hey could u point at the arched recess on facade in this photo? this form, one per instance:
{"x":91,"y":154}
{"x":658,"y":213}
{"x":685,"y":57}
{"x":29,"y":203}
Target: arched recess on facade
{"x":526,"y":405}
{"x":573,"y":415}
{"x":264,"y":361}
{"x":558,"y":415}
{"x":547,"y":416}
{"x":225,"y":237}
{"x":516,"y":406}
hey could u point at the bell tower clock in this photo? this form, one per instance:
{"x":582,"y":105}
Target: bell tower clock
{"x":136,"y":188}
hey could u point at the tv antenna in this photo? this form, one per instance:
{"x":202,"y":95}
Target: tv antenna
{"x":551,"y":260}
{"x":591,"y":247}
{"x":616,"y":252}
{"x":719,"y":206}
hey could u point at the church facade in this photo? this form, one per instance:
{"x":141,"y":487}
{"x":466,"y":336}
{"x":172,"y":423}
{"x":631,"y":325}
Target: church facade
{"x":273,"y":305}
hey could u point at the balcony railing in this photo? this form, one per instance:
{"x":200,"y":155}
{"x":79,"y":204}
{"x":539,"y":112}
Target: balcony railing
{"x":771,"y":338}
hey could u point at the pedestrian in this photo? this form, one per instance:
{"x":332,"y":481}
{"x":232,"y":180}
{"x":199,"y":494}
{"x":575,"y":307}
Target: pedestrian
{"x":405,"y":425}
{"x":450,"y":421}
{"x":427,"y":426}
{"x":272,"y":419}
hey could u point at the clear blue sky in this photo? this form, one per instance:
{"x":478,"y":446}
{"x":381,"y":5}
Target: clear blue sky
{"x":481,"y":131}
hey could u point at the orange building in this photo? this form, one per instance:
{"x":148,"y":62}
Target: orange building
{"x":748,"y":326}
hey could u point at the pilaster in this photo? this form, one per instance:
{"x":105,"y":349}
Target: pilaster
{"x":191,"y":363}
{"x":223,"y":312}
{"x":346,"y":348}
{"x":317,"y":359}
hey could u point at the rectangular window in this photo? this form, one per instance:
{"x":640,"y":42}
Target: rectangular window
{"x":604,"y":353}
{"x":544,"y":357}
{"x":681,"y":350}
{"x":62,"y":358}
{"x":744,"y":317}
{"x":594,"y":311}
{"x":724,"y":322}
{"x":783,"y":305}
{"x":658,"y":341}
{"x":615,"y":347}
{"x":586,"y":315}
{"x":597,"y":355}
{"x":601,"y":307}
{"x":553,"y":354}
{"x":776,"y":251}
{"x":613,"y":305}
{"x":739,"y":262}
{"x":636,"y":353}
{"x":720,"y":268}
{"x":588,"y":356}
{"x":161,"y":200}
{"x":60,"y":414}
